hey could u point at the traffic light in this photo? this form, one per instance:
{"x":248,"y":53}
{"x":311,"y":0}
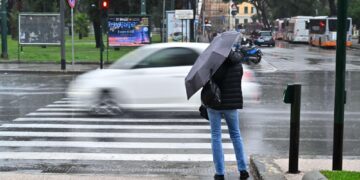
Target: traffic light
{"x":104,"y":4}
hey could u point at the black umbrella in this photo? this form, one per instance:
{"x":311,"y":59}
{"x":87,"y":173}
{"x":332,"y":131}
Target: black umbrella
{"x":209,"y":61}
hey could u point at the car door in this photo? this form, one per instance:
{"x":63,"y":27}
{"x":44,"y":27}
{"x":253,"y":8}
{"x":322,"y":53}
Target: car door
{"x":158,"y":81}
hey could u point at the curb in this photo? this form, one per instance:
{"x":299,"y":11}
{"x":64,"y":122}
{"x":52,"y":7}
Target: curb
{"x":264,"y":168}
{"x":42,"y":72}
{"x":314,"y":175}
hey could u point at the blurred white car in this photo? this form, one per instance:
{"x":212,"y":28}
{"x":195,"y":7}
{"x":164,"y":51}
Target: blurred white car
{"x":151,"y":77}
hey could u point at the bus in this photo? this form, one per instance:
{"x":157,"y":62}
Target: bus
{"x":297,"y":30}
{"x":323,"y":31}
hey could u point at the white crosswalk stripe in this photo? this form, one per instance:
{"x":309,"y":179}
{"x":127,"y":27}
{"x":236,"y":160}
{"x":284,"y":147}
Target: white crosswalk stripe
{"x":111,"y":157}
{"x":82,"y":126}
{"x":89,"y":119}
{"x":62,"y":131}
{"x":86,"y":144}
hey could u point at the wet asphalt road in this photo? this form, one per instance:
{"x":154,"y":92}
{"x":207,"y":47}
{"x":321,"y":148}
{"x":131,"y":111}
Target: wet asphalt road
{"x":264,"y":126}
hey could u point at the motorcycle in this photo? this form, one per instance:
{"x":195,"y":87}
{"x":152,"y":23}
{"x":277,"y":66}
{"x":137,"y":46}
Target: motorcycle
{"x":250,"y":52}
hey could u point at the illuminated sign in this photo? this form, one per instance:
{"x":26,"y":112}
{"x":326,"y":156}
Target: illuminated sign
{"x":128,"y":31}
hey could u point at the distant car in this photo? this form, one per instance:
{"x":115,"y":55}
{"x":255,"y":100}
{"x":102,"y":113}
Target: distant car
{"x":177,"y":36}
{"x":151,"y":77}
{"x":265,"y":38}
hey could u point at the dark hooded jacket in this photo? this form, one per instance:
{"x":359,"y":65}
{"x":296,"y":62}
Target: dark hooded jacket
{"x":228,"y":78}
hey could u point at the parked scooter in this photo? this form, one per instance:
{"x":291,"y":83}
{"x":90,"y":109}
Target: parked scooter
{"x":251,"y":53}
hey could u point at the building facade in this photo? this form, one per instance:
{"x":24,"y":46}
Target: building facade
{"x":217,"y":15}
{"x":245,"y":13}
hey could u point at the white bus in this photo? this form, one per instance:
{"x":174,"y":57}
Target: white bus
{"x":323,"y":31}
{"x":297,"y":30}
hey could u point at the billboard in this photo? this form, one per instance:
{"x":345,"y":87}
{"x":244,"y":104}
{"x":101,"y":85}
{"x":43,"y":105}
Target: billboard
{"x":128,"y":31}
{"x":177,"y":30}
{"x":39,"y":29}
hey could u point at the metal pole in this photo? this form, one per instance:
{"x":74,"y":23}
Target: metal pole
{"x":182,"y":30}
{"x":72,"y":36}
{"x":163,"y":22}
{"x":101,"y":39}
{"x":143,"y":7}
{"x":295,"y":129}
{"x":62,"y":34}
{"x":186,"y":30}
{"x":340,"y":85}
{"x":4,"y":49}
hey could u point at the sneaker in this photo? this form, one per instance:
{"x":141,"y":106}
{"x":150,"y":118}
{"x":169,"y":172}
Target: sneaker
{"x":219,"y":177}
{"x":244,"y":175}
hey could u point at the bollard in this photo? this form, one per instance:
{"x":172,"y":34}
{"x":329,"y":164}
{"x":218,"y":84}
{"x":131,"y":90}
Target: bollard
{"x":292,"y":95}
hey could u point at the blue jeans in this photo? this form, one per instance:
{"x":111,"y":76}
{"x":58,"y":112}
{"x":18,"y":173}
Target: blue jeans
{"x":232,"y":121}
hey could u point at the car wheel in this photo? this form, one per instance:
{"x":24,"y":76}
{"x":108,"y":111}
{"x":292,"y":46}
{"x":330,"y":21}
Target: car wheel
{"x":106,"y":105}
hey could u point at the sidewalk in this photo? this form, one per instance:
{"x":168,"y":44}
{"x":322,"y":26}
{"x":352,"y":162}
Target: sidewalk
{"x":29,"y":176}
{"x":262,"y":168}
{"x":275,"y":167}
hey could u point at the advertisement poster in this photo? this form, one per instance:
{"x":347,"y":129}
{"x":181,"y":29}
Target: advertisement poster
{"x":177,"y":30}
{"x":128,"y":31}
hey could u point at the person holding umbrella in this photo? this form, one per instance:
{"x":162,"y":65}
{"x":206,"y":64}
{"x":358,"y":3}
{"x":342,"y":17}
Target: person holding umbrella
{"x":221,"y":66}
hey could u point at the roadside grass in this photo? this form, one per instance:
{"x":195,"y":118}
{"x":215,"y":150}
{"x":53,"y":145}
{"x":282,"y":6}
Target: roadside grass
{"x":341,"y":175}
{"x":85,"y":51}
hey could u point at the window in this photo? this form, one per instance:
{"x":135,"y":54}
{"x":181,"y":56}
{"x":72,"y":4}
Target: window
{"x":317,"y":26}
{"x":246,"y":21}
{"x":332,"y":25}
{"x":246,"y":10}
{"x":252,"y":10}
{"x":169,"y":57}
{"x":265,"y":33}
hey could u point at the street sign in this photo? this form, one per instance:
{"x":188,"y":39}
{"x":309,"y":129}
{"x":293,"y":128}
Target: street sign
{"x":72,"y":3}
{"x":184,"y":14}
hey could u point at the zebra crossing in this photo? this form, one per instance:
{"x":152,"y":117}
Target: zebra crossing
{"x":61,"y":131}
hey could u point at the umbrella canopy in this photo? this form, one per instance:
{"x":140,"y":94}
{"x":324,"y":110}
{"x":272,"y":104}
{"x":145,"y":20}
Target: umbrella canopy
{"x":209,"y":61}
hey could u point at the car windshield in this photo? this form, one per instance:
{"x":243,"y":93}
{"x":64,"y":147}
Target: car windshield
{"x":133,"y":58}
{"x":265,"y":33}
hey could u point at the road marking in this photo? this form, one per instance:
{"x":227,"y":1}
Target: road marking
{"x":111,"y":157}
{"x":65,"y":102}
{"x":86,"y":144}
{"x":96,"y":126}
{"x":62,"y":109}
{"x":110,"y":135}
{"x":111,"y":120}
{"x":56,"y":114}
{"x":66,"y":106}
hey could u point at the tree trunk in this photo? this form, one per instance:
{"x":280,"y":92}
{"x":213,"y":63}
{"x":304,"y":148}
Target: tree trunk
{"x":97,"y":27}
{"x":332,"y":7}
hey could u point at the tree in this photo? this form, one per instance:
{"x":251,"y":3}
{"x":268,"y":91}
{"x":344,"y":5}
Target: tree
{"x":81,"y":24}
{"x":332,"y":7}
